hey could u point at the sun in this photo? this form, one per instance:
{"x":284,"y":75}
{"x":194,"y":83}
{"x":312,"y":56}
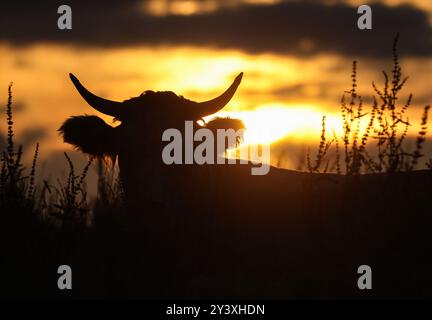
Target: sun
{"x":270,"y":123}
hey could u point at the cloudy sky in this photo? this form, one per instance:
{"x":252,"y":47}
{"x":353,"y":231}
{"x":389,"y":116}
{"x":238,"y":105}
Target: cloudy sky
{"x":296,"y":56}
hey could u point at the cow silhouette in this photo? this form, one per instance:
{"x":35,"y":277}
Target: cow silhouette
{"x":137,"y":140}
{"x":285,"y":234}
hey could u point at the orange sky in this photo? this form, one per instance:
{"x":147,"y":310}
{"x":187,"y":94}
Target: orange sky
{"x":281,"y":99}
{"x":291,"y":93}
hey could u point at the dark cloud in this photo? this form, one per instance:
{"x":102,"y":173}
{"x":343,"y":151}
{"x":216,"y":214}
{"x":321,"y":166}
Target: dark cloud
{"x":27,"y":139}
{"x":295,"y":27}
{"x":303,"y":90}
{"x":32,"y":136}
{"x":17,"y":107}
{"x":422,"y":99}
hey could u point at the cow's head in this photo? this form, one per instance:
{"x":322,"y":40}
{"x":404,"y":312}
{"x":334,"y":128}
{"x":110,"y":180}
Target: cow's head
{"x":143,"y":119}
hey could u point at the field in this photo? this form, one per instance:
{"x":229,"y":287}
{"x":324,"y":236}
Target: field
{"x":362,"y":199}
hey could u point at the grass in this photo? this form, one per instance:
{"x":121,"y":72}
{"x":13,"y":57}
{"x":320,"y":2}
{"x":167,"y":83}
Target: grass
{"x":46,"y":225}
{"x":65,"y":201}
{"x":381,"y":146}
{"x":386,"y":130}
{"x":17,"y":189}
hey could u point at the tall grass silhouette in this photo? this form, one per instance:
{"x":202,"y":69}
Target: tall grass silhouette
{"x":17,"y":189}
{"x":66,"y":200}
{"x":386,"y":129}
{"x":45,"y":223}
{"x":226,"y":230}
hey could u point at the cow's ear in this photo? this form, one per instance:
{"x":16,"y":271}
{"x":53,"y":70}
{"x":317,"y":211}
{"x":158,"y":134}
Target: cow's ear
{"x":90,"y":134}
{"x":227,"y":124}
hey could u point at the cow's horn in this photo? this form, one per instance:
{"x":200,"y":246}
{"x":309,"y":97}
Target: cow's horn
{"x":212,"y":106}
{"x":105,"y":106}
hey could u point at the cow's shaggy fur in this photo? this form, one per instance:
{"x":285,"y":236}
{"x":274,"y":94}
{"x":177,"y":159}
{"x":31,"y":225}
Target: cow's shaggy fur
{"x":89,"y":134}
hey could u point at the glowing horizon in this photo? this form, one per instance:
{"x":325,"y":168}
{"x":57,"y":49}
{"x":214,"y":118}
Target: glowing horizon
{"x":281,"y":98}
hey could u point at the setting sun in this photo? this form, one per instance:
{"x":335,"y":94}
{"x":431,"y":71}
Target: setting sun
{"x":270,"y":123}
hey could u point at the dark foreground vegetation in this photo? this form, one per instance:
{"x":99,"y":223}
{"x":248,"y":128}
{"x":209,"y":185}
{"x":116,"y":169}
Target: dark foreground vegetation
{"x":226,"y":234}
